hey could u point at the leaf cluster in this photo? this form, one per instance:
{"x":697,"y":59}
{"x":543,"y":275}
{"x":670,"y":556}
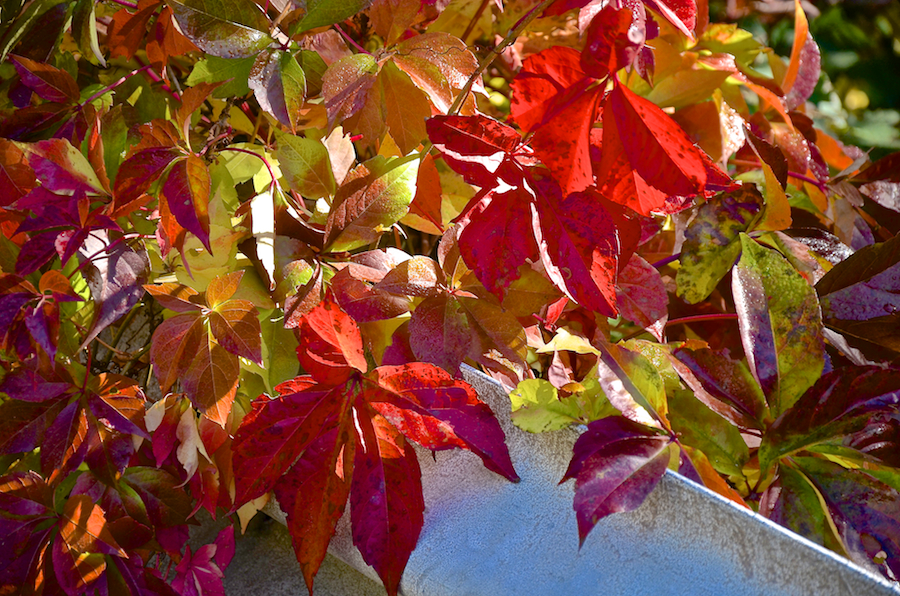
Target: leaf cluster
{"x":248,"y":247}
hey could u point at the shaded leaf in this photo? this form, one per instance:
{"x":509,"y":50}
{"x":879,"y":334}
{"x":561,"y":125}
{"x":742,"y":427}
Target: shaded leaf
{"x":641,"y":296}
{"x":186,"y":192}
{"x":279,"y":85}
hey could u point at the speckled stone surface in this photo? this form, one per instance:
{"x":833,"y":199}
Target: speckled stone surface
{"x":486,"y":536}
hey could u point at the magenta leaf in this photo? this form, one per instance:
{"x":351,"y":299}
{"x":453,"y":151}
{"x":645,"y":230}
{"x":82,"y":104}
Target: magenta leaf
{"x":615,"y":464}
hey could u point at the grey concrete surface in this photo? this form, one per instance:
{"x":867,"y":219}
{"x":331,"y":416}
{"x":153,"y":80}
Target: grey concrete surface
{"x":486,"y":536}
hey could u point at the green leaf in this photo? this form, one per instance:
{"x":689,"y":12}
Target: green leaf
{"x":223,"y":28}
{"x":700,"y":427}
{"x":372,"y":199}
{"x":780,"y":324}
{"x":536,"y":406}
{"x":84,"y":30}
{"x":711,"y":241}
{"x":322,"y":13}
{"x":793,"y":502}
{"x":279,"y":85}
{"x":213,"y":69}
{"x":306,"y":165}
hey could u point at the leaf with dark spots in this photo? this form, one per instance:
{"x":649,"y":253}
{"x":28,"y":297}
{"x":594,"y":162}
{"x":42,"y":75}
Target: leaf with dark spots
{"x":439,"y":412}
{"x":780,"y":324}
{"x":223,"y":28}
{"x":50,"y":83}
{"x":615,"y":464}
{"x":475,"y":147}
{"x":386,"y":498}
{"x":724,"y":385}
{"x":863,"y":509}
{"x":841,"y":403}
{"x":659,"y":153}
{"x":186,"y":192}
{"x":578,"y":247}
{"x":496,"y":237}
{"x":562,"y":142}
{"x":612,"y":41}
{"x":712,"y":241}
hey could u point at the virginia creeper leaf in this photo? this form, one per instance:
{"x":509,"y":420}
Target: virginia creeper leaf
{"x":306,"y":165}
{"x":839,"y":404}
{"x":780,"y":323}
{"x":700,"y":427}
{"x":279,"y":85}
{"x":641,"y":296}
{"x":330,"y":344}
{"x":407,"y":108}
{"x":186,"y":192}
{"x":321,"y":13}
{"x":615,"y":464}
{"x":223,"y":28}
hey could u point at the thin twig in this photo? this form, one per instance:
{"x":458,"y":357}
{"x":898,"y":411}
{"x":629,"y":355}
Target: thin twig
{"x":703,"y":318}
{"x":112,"y":86}
{"x":510,"y":39}
{"x":351,"y":40}
{"x":474,"y":20}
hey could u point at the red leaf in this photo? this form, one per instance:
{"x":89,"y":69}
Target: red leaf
{"x":313,"y":495}
{"x":439,"y":412}
{"x":276,"y":433}
{"x":613,"y":41}
{"x":615,"y":464}
{"x":439,"y":333}
{"x":681,"y":13}
{"x":330,"y":344}
{"x":203,"y":573}
{"x":496,"y":237}
{"x":211,"y":380}
{"x":186,"y":192}
{"x":386,"y":502}
{"x":562,"y":142}
{"x":475,"y":146}
{"x":175,"y":342}
{"x":50,"y":83}
{"x":543,"y":83}
{"x":639,"y":137}
{"x":139,"y":171}
{"x":642,"y":296}
{"x":16,"y":176}
{"x":579,"y":248}
{"x":177,"y":297}
{"x":235,"y":325}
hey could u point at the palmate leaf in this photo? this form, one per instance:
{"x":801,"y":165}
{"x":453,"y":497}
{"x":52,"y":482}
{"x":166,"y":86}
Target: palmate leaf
{"x":616,"y":463}
{"x":205,"y":359}
{"x":302,"y":435}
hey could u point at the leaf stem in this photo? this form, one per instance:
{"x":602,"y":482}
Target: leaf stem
{"x":663,"y":262}
{"x":471,"y":26}
{"x":125,"y":3}
{"x":498,"y":49}
{"x":702,"y":318}
{"x":112,"y":86}
{"x":350,"y":40}
{"x":820,"y":185}
{"x":264,"y":160}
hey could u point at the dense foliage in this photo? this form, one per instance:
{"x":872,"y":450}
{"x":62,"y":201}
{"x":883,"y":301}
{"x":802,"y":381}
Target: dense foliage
{"x":248,"y":245}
